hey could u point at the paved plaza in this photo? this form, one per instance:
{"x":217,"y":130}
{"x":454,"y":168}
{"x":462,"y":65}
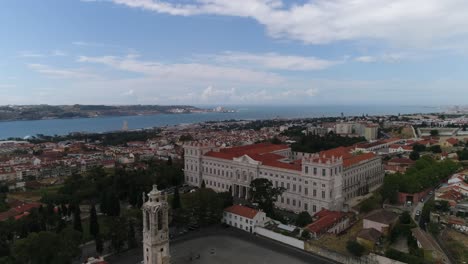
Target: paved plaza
{"x":227,"y":247}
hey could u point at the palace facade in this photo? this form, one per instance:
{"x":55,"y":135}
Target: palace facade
{"x":312,"y":180}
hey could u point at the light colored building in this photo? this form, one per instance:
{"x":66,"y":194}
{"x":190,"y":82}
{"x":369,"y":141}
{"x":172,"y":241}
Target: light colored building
{"x":370,"y":131}
{"x":244,"y":217}
{"x":380,"y":220}
{"x":155,"y":228}
{"x":312,"y":181}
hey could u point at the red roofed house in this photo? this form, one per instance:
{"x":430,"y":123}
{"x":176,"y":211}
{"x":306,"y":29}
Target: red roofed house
{"x":327,"y":221}
{"x":449,"y":143}
{"x":244,"y":217}
{"x":311,"y":181}
{"x":19,"y":211}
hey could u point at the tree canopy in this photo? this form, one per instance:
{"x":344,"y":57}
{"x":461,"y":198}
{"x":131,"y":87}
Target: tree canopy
{"x":425,"y":173}
{"x":264,"y":194}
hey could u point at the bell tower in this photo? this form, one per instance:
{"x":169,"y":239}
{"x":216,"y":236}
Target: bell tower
{"x":155,"y":228}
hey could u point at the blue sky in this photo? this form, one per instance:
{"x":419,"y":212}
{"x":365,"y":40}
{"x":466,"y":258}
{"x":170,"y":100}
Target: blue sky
{"x":234,"y":52}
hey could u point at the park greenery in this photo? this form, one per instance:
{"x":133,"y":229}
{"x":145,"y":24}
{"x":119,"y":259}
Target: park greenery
{"x":118,"y":195}
{"x":463,"y":154}
{"x":425,"y":173}
{"x":315,"y":143}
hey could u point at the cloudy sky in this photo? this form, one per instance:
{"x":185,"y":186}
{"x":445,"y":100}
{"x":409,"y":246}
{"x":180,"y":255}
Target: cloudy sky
{"x":234,"y":52}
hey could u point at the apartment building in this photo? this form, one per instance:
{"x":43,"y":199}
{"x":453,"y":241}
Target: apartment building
{"x":312,"y":181}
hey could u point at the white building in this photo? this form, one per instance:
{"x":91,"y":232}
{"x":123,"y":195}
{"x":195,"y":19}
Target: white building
{"x":244,"y":218}
{"x":312,"y":181}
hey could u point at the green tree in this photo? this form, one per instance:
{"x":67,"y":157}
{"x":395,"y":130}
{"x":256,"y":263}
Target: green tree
{"x":305,"y":234}
{"x":169,"y":161}
{"x":176,"y":199}
{"x":419,"y":147}
{"x":118,"y":233}
{"x":77,"y":218}
{"x":303,"y":219}
{"x":414,"y":155}
{"x":405,"y":218}
{"x":435,"y":149}
{"x":131,"y":240}
{"x":203,"y":185}
{"x":93,"y":222}
{"x":264,"y":194}
{"x":47,"y":247}
{"x":355,"y":248}
{"x":434,"y":132}
{"x":99,"y":244}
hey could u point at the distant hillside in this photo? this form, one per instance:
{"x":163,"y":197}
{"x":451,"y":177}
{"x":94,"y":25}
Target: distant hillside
{"x":37,"y":112}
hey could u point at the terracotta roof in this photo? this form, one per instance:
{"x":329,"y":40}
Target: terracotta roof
{"x":242,"y":211}
{"x":452,"y":141}
{"x":259,"y":152}
{"x":235,"y":152}
{"x":18,"y":211}
{"x":382,"y":216}
{"x":401,"y":161}
{"x":326,"y":219}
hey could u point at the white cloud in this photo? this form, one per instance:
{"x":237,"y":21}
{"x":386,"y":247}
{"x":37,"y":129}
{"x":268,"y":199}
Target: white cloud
{"x":54,"y":72}
{"x":415,"y":23}
{"x":184,"y":71}
{"x":30,"y":54}
{"x":275,"y":61}
{"x":387,"y":57}
{"x":130,"y":92}
{"x":58,"y":53}
{"x":366,"y":59}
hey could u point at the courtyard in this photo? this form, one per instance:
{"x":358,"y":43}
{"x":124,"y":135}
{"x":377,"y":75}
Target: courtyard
{"x":226,"y":246}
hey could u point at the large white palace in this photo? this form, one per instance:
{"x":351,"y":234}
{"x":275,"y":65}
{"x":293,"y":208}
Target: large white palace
{"x":312,"y":181}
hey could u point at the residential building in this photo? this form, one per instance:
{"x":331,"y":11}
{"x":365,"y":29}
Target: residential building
{"x":380,"y":220}
{"x":244,"y":217}
{"x":326,"y":221}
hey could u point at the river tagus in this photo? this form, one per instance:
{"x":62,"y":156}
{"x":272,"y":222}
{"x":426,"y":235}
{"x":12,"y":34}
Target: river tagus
{"x":22,"y":129}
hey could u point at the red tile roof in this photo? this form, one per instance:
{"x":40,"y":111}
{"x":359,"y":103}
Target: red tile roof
{"x":242,"y":211}
{"x":235,"y":152}
{"x":19,"y":211}
{"x":326,"y":220}
{"x":401,"y":161}
{"x":349,"y":159}
{"x":452,"y":141}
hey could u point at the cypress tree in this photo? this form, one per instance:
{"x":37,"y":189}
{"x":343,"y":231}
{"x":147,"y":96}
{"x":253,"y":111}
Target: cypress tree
{"x":93,"y":222}
{"x":203,"y":185}
{"x":131,"y":241}
{"x":77,"y":219}
{"x":176,"y":199}
{"x":99,"y":244}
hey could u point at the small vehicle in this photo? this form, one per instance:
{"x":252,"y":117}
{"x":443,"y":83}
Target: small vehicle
{"x":418,"y":213}
{"x":422,"y":200}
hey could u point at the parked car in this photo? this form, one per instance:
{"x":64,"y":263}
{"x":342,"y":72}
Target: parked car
{"x":418,"y":213}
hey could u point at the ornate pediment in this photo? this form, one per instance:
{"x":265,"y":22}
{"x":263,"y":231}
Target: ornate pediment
{"x":247,"y":160}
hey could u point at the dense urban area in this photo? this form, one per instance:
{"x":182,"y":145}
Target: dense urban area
{"x":362,"y":189}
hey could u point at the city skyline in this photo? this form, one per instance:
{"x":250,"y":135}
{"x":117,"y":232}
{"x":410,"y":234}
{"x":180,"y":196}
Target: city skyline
{"x":209,"y":52}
